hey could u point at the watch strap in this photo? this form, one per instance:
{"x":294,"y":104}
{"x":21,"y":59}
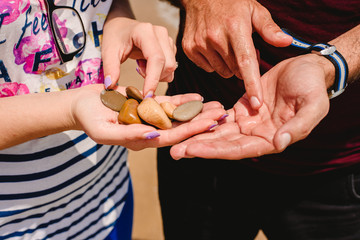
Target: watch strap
{"x":329,"y":52}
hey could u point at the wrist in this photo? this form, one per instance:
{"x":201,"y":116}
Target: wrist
{"x":332,"y":55}
{"x":326,"y":65}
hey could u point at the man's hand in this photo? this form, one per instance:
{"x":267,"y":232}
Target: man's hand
{"x":295,"y":101}
{"x":218,"y":37}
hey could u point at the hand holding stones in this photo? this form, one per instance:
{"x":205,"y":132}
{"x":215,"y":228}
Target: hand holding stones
{"x":134,"y":108}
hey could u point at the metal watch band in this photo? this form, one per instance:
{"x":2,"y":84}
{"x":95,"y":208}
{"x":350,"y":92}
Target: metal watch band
{"x":329,"y":52}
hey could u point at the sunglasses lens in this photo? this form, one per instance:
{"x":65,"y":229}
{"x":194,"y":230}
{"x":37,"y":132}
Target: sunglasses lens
{"x":68,"y":30}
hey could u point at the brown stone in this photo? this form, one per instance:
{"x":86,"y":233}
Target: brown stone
{"x":168,"y":108}
{"x":187,"y":111}
{"x":128,"y":113}
{"x":133,"y":92}
{"x":151,"y":112}
{"x":112,"y":99}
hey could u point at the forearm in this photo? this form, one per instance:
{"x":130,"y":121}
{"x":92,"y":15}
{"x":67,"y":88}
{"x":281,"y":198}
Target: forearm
{"x":31,"y":116}
{"x":348,"y":44}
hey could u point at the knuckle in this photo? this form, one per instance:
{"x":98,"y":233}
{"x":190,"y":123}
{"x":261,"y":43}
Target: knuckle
{"x":187,"y":46}
{"x":232,"y":24}
{"x":161,"y":29}
{"x":200,"y":42}
{"x":159,"y":58}
{"x":145,"y":27}
{"x":244,"y":61}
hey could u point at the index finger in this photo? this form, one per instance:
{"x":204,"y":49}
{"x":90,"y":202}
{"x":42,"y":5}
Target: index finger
{"x":153,"y":54}
{"x":246,"y":60}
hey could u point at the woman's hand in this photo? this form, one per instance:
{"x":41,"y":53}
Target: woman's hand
{"x":101,"y":123}
{"x":150,"y":45}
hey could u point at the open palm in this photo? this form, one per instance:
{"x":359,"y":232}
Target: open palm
{"x":295,"y":101}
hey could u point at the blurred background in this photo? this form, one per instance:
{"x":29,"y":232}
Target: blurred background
{"x":147,"y":215}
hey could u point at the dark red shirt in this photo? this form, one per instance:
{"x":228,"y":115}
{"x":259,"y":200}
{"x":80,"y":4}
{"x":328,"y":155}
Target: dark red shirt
{"x":335,"y":142}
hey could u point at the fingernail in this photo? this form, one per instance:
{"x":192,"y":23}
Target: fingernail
{"x":139,"y":71}
{"x":151,"y":135}
{"x":254,"y":101}
{"x":282,"y":35}
{"x":213,"y":126}
{"x":107,"y":82}
{"x":285,"y":140}
{"x":223,"y":117}
{"x":150,"y":94}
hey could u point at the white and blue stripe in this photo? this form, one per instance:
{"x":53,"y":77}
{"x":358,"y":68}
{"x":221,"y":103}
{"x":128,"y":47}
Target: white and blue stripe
{"x":75,"y":189}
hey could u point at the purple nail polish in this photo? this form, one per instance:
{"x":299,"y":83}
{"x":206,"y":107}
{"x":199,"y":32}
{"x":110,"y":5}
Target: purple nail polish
{"x":107,"y":82}
{"x":151,"y":135}
{"x":150,"y":94}
{"x":223,"y":117}
{"x":212,"y":126}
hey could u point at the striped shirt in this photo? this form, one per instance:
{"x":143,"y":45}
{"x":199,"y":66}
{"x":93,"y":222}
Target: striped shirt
{"x":62,"y":186}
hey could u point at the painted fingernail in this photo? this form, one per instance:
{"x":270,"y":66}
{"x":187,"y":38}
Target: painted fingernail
{"x":151,"y":135}
{"x":285,"y":140}
{"x":223,"y":117}
{"x":212,"y":126}
{"x":254,"y":101}
{"x":150,"y":94}
{"x":140,"y":72}
{"x":107,"y":82}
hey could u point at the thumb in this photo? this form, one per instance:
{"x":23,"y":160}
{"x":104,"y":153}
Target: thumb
{"x":300,"y":126}
{"x":269,"y":30}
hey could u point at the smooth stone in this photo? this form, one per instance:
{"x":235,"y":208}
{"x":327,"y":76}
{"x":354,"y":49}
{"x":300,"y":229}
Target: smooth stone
{"x":128,"y":113}
{"x":187,"y":111}
{"x":151,"y":112}
{"x":168,"y":108}
{"x":112,"y":99}
{"x":133,"y":92}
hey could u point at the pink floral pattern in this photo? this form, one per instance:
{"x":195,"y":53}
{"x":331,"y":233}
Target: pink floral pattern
{"x":12,"y":89}
{"x":87,"y":72}
{"x":14,"y":8}
{"x":30,"y":45}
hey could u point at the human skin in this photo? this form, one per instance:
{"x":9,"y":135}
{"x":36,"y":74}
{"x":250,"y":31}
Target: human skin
{"x":30,"y":116}
{"x":218,"y":37}
{"x":126,"y":38}
{"x":295,"y":101}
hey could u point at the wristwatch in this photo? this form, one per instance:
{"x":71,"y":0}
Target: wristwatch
{"x":329,"y":52}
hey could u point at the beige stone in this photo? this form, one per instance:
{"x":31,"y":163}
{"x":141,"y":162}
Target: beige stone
{"x":168,"y":108}
{"x":151,"y":112}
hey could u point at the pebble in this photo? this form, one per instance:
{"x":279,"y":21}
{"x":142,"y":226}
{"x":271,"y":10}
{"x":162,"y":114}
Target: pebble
{"x":112,"y":99}
{"x":187,"y":111}
{"x":168,"y":108}
{"x":151,"y":112}
{"x":133,"y":92}
{"x":128,"y":113}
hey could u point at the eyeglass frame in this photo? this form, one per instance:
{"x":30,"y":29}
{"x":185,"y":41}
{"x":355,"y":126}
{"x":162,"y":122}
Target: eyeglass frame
{"x":51,"y":7}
